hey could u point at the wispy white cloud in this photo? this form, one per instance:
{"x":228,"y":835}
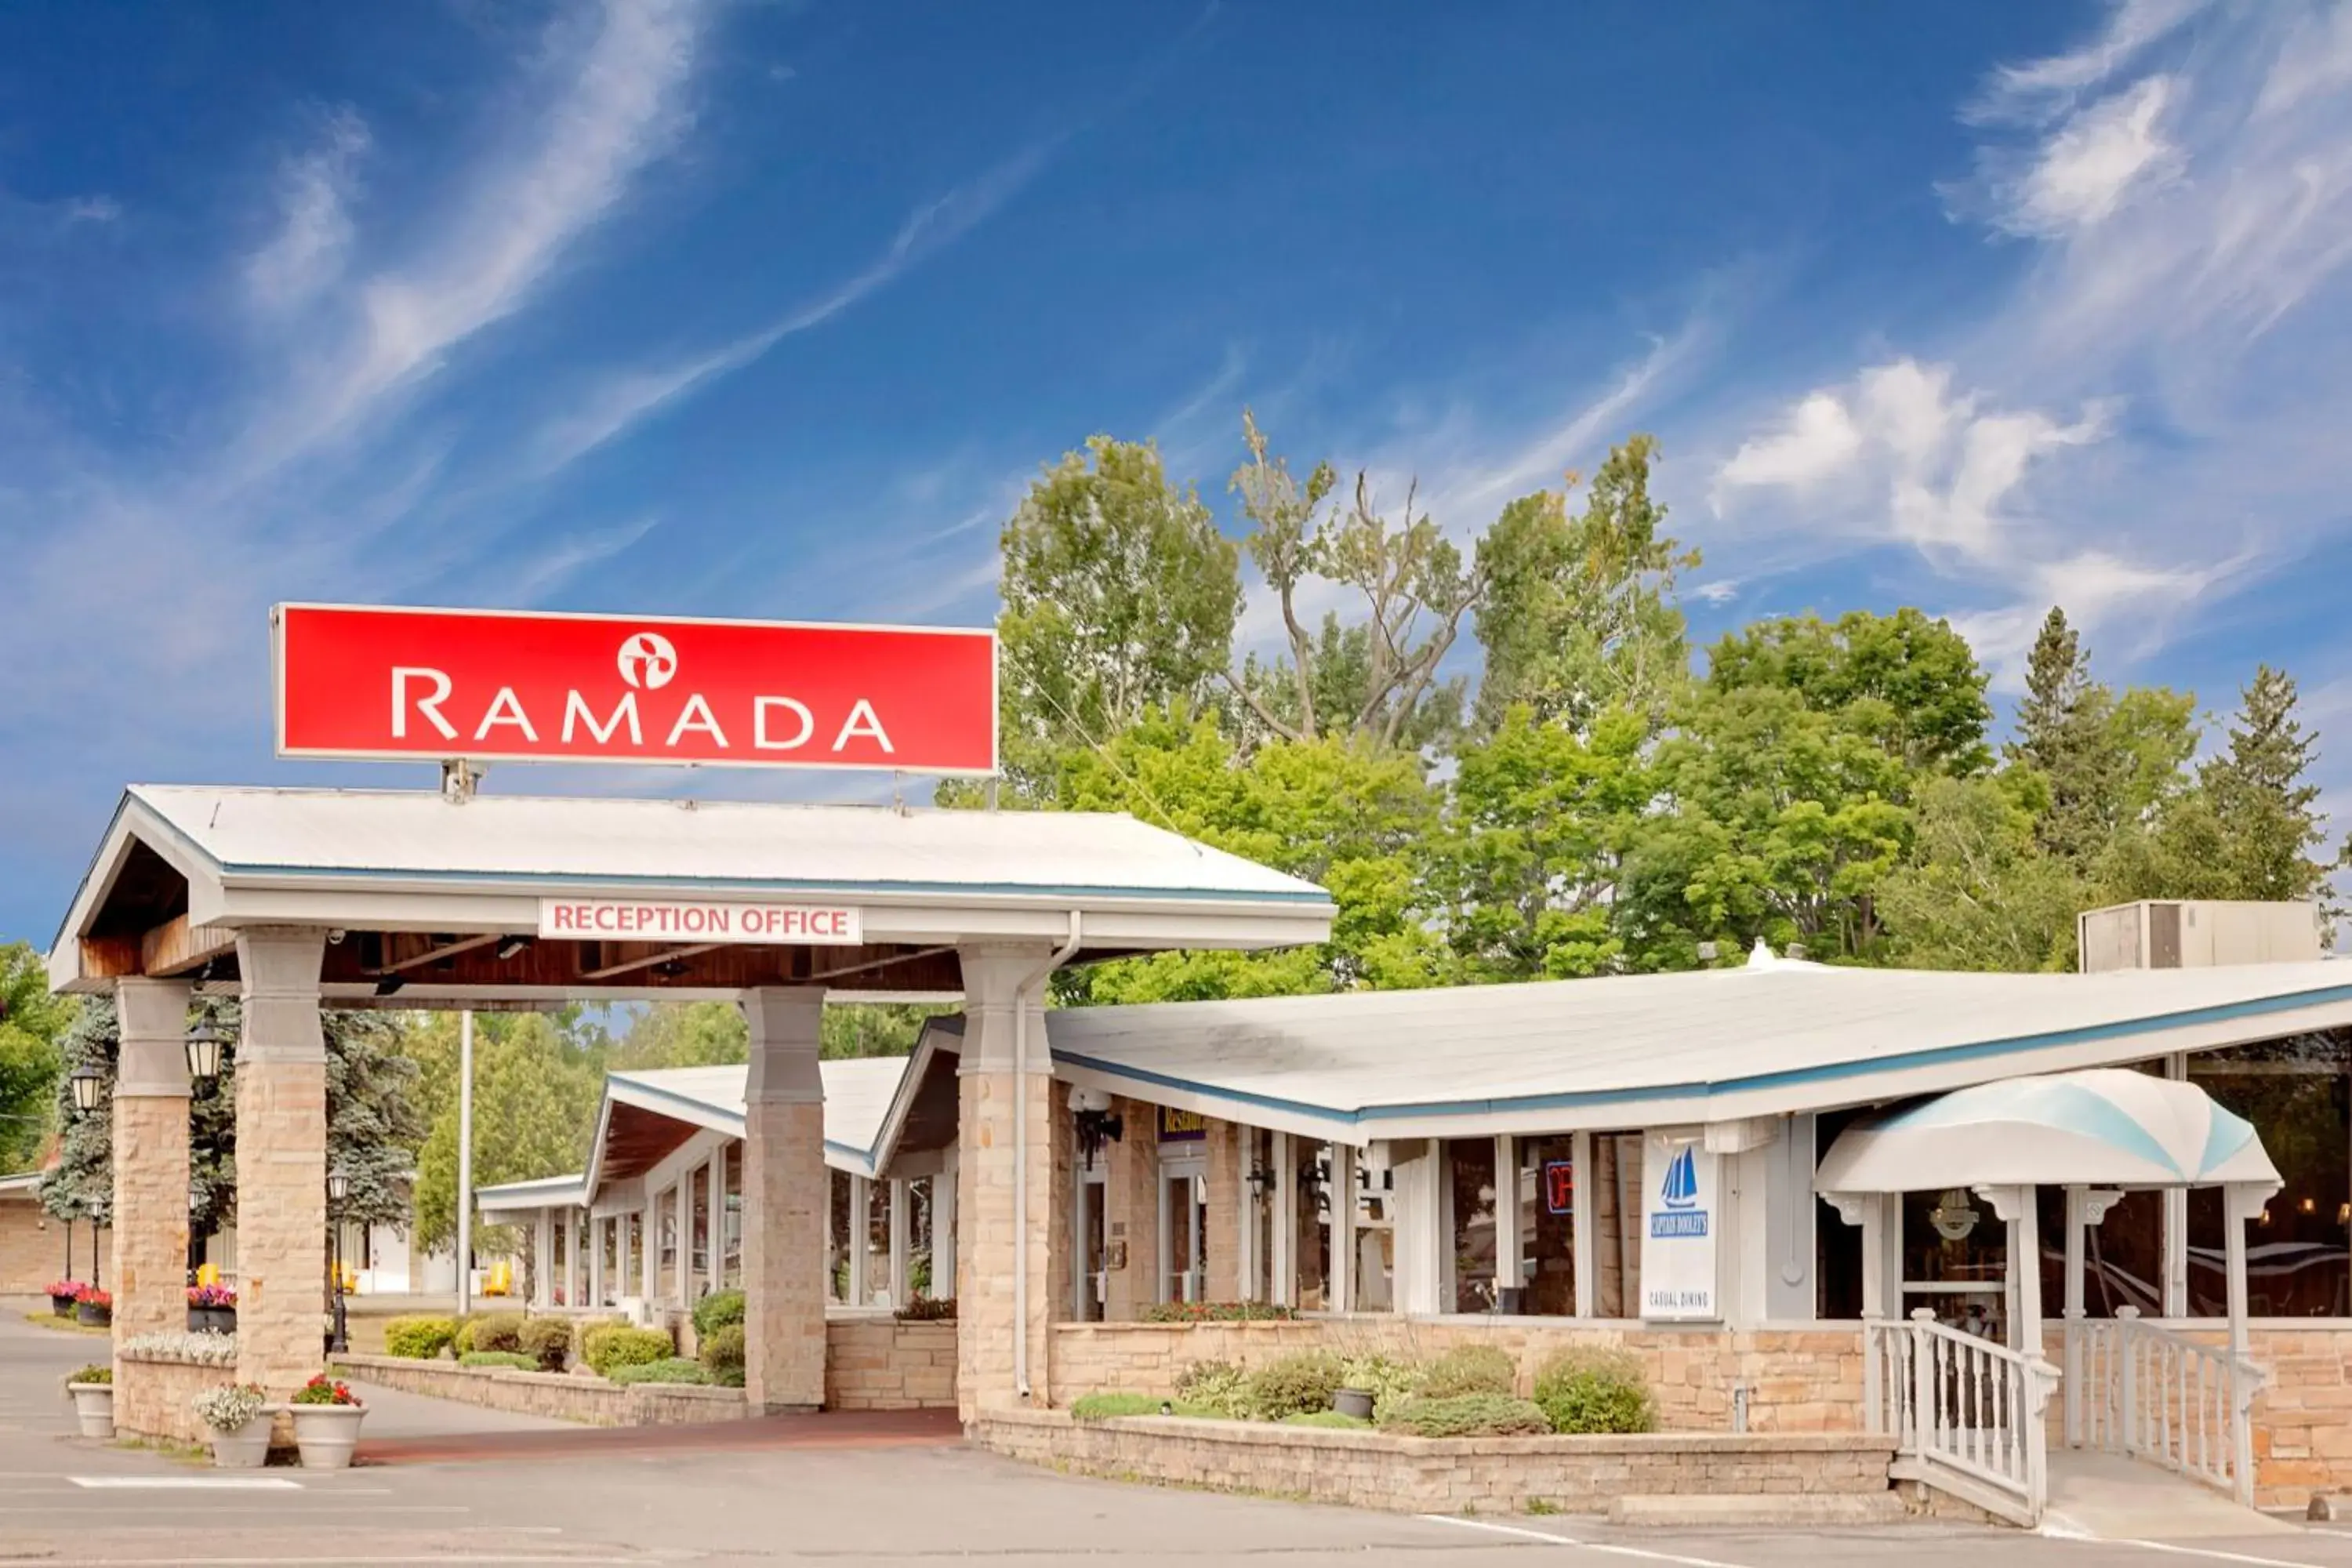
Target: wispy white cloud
{"x":90,"y":209}
{"x":549,"y":569}
{"x":314,"y":230}
{"x":2128,"y":431}
{"x":626,"y":399}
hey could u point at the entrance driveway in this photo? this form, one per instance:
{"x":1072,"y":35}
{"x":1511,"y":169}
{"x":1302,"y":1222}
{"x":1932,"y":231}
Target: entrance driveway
{"x":543,"y":1496}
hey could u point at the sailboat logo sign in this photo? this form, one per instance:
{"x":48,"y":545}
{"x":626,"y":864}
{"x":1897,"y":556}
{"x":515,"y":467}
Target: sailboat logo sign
{"x":1678,"y":1196}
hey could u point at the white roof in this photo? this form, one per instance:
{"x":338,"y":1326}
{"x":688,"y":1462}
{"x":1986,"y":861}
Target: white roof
{"x":1664,"y":1049}
{"x":857,"y":1094}
{"x":2102,"y":1127}
{"x":412,"y":860}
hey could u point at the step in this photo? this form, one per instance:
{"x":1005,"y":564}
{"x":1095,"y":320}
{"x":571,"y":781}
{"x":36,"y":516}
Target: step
{"x":1758,"y":1508}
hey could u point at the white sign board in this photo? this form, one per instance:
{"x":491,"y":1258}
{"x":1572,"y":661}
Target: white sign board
{"x":670,"y":920}
{"x":1681,"y":1213}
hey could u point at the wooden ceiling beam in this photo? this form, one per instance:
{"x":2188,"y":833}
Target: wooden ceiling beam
{"x":176,"y":945}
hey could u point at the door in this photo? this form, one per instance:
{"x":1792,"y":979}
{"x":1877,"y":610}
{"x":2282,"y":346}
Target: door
{"x":1087,"y":1286}
{"x":1183,"y":1229}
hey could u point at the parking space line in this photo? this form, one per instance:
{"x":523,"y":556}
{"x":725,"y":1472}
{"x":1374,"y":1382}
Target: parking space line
{"x":190,"y":1483}
{"x":1641,"y":1552}
{"x":2215,"y":1554}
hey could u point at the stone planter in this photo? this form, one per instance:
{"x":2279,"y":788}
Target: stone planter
{"x":1355,"y":1402}
{"x":94,"y":1407}
{"x":326,"y":1433}
{"x":247,"y":1448}
{"x":93,"y":1314}
{"x":212,"y":1320}
{"x":62,"y":1305}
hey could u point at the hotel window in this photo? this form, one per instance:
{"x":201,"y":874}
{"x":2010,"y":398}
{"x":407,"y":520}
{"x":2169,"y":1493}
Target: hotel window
{"x":837,"y":1233}
{"x":2297,"y":1092}
{"x":1470,"y":1182}
{"x":732,"y":1248}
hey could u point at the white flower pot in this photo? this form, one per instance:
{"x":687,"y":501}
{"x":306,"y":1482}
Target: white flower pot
{"x":326,"y":1433}
{"x":94,"y":1407}
{"x":247,"y":1448}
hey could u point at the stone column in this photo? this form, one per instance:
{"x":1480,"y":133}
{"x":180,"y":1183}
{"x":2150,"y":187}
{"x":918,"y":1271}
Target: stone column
{"x":1220,"y":1240}
{"x":989,"y":1374}
{"x":281,"y":1160}
{"x":148,"y":1275}
{"x":786,"y":1201}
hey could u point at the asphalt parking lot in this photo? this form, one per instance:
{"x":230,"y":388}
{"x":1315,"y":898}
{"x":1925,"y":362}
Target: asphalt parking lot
{"x":927,"y":1502}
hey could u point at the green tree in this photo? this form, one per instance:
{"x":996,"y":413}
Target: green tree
{"x":1335,"y":810}
{"x":2112,"y":762}
{"x":1120,"y":594}
{"x":31,"y":1020}
{"x":375,"y":1124}
{"x":1541,"y":820}
{"x":1909,"y":683}
{"x":536,"y":1088}
{"x":1579,"y":616}
{"x":1981,"y":893}
{"x":2260,"y":792}
{"x":710,"y":1034}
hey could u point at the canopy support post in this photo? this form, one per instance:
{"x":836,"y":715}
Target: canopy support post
{"x":2075,"y":1229}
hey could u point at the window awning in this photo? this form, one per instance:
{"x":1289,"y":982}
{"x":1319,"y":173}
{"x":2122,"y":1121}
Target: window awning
{"x":2103,"y":1127}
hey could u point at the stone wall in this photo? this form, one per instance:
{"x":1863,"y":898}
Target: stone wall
{"x":153,"y":1398}
{"x":1412,"y":1475}
{"x":1798,"y":1379}
{"x":561,"y":1395}
{"x":879,"y":1364}
{"x":32,"y":1254}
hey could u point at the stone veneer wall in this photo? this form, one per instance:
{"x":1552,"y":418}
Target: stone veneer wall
{"x":562,"y":1395}
{"x":153,"y":1398}
{"x":1798,"y":1379}
{"x":32,"y":1254}
{"x":879,"y":1364}
{"x":1413,"y":1474}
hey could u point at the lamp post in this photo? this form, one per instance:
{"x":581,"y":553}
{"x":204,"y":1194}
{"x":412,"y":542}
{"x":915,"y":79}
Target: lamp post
{"x":339,"y":1186}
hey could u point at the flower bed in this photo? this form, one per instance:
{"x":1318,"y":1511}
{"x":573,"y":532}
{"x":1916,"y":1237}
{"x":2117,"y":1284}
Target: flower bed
{"x":566,"y":1396}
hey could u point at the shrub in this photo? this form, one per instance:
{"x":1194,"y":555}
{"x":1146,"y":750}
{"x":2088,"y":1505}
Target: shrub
{"x":1471,"y":1369}
{"x":1385,"y":1378}
{"x":669,"y":1369}
{"x":1215,"y":1312}
{"x":418,"y":1338}
{"x":96,"y":1372}
{"x":495,"y":1331}
{"x":615,"y":1348}
{"x":1214,"y":1386}
{"x":590,"y":1333}
{"x":1595,"y":1391}
{"x":1327,"y":1418}
{"x":206,"y":1349}
{"x":722,"y":1356}
{"x":515,"y":1360}
{"x":1467,"y":1415}
{"x":1292,"y":1385}
{"x":1106,"y":1406}
{"x":548,"y":1341}
{"x":716,"y":1310}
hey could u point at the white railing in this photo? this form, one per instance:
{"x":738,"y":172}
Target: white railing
{"x":2146,"y":1393}
{"x":1960,"y":1405}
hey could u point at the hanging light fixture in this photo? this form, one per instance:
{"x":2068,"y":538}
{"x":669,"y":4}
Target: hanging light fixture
{"x":205,"y":1043}
{"x":88,"y":1088}
{"x":1954,"y":1218}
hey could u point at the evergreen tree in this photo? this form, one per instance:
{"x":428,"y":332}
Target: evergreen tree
{"x":2263,"y":800}
{"x":31,"y":1020}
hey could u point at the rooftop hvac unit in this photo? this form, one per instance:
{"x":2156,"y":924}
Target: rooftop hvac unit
{"x":2202,"y":933}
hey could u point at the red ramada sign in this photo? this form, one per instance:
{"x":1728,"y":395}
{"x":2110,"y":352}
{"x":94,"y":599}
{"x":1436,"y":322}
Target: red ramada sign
{"x":366,"y":682}
{"x":656,"y":920}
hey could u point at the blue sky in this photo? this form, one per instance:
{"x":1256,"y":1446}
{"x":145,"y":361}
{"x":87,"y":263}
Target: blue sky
{"x":696,"y":307}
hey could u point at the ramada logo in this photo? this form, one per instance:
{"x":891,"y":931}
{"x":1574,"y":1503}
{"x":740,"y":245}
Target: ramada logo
{"x":649,"y":661}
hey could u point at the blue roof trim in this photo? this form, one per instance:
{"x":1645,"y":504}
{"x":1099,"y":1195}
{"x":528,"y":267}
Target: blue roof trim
{"x":1830,"y":1073}
{"x":1316,"y":896}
